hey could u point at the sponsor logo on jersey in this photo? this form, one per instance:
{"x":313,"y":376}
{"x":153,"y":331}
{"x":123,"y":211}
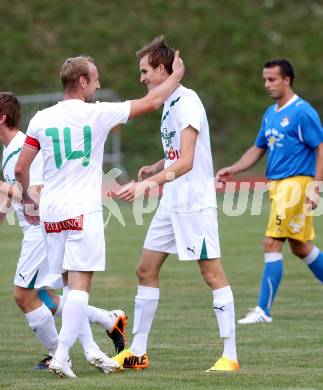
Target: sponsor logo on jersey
{"x":284,"y":122}
{"x":171,"y":154}
{"x":274,"y":138}
{"x":9,"y":180}
{"x":68,"y":224}
{"x":167,"y":136}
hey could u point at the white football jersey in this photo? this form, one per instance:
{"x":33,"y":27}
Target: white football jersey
{"x":9,"y":158}
{"x":71,"y":135}
{"x":194,"y":190}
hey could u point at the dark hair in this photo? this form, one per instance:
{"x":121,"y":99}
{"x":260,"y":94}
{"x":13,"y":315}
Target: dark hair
{"x":286,"y":69}
{"x":10,"y":106}
{"x":159,"y":52}
{"x":73,"y":68}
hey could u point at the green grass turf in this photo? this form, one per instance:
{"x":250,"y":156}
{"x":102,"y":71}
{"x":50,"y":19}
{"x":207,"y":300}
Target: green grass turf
{"x":286,"y":354}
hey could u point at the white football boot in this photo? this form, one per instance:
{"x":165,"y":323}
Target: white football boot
{"x":255,"y":316}
{"x":61,"y":368}
{"x":100,"y":360}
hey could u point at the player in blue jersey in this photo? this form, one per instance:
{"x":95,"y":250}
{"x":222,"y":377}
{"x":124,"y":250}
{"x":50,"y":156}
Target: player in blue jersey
{"x":291,"y":134}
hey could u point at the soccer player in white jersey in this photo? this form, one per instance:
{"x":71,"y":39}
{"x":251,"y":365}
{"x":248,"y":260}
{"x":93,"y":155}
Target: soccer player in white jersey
{"x":71,"y":135}
{"x":186,"y":219}
{"x":32,"y":278}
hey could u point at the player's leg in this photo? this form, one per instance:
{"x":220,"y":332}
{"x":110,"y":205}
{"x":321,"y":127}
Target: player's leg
{"x":223,"y":305}
{"x":197,"y":238}
{"x":158,"y":244}
{"x":147,"y":297}
{"x":276,"y":232}
{"x":270,"y":282}
{"x":40,"y":320}
{"x":272,"y":273}
{"x":32,"y":274}
{"x":146,"y":302}
{"x":310,"y":254}
{"x":113,"y":321}
{"x":74,"y":313}
{"x":84,"y":254}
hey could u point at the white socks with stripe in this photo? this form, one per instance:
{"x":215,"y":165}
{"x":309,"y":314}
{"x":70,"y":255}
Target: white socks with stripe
{"x":146,"y":303}
{"x":223,"y":306}
{"x":42,"y":324}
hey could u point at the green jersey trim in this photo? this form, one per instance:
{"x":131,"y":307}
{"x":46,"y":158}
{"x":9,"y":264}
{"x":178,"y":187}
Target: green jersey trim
{"x":9,"y":157}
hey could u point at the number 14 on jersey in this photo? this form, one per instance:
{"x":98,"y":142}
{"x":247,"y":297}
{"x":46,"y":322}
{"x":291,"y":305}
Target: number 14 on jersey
{"x":69,"y":153}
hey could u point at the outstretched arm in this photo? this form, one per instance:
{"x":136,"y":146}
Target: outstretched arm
{"x":248,"y":159}
{"x":149,"y":170}
{"x":156,"y":97}
{"x":181,"y":166}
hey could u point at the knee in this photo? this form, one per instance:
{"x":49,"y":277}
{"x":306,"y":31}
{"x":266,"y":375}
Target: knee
{"x":20,"y":299}
{"x":145,"y":274}
{"x":300,"y":249}
{"x":213,"y":279}
{"x":272,"y":245}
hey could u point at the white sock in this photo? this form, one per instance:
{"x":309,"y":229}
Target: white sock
{"x":42,"y":324}
{"x":66,"y":290}
{"x":86,"y":338}
{"x":223,"y":306}
{"x":100,"y":316}
{"x":62,"y":299}
{"x":146,"y":303}
{"x":73,"y":317}
{"x":60,"y":307}
{"x":95,"y":314}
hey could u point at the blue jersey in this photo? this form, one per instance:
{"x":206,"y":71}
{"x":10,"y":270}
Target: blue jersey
{"x":291,"y":136}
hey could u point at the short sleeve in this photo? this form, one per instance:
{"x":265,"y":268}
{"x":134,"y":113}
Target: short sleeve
{"x":261,"y":140}
{"x":190,"y":113}
{"x":310,"y":130}
{"x":113,"y":114}
{"x":32,"y":130}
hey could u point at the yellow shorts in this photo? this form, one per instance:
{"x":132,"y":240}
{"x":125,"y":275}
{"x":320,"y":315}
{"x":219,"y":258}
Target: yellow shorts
{"x":288,"y":218}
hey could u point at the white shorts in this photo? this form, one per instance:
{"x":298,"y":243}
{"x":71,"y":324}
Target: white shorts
{"x":193,"y":235}
{"x":33,"y":268}
{"x":78,"y":250}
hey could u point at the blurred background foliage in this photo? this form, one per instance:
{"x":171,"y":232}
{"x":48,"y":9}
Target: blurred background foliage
{"x":224,"y":44}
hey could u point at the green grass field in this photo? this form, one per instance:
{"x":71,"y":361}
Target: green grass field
{"x":286,"y":354}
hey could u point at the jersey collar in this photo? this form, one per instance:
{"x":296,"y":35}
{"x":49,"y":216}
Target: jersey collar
{"x":290,"y":101}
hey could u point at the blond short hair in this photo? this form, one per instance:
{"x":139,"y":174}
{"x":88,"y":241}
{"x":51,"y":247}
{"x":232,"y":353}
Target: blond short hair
{"x":72,"y":69}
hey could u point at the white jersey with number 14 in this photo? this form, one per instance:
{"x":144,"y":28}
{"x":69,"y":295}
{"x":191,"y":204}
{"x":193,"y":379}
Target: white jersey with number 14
{"x":71,"y":135}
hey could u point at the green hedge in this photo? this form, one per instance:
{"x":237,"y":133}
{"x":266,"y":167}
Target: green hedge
{"x":224,"y":44}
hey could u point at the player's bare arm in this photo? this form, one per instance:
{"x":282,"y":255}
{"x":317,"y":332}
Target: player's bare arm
{"x":313,"y":196}
{"x":156,"y":97}
{"x":181,"y":166}
{"x":149,"y":170}
{"x":23,"y":164}
{"x":248,"y":160}
{"x":5,"y":200}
